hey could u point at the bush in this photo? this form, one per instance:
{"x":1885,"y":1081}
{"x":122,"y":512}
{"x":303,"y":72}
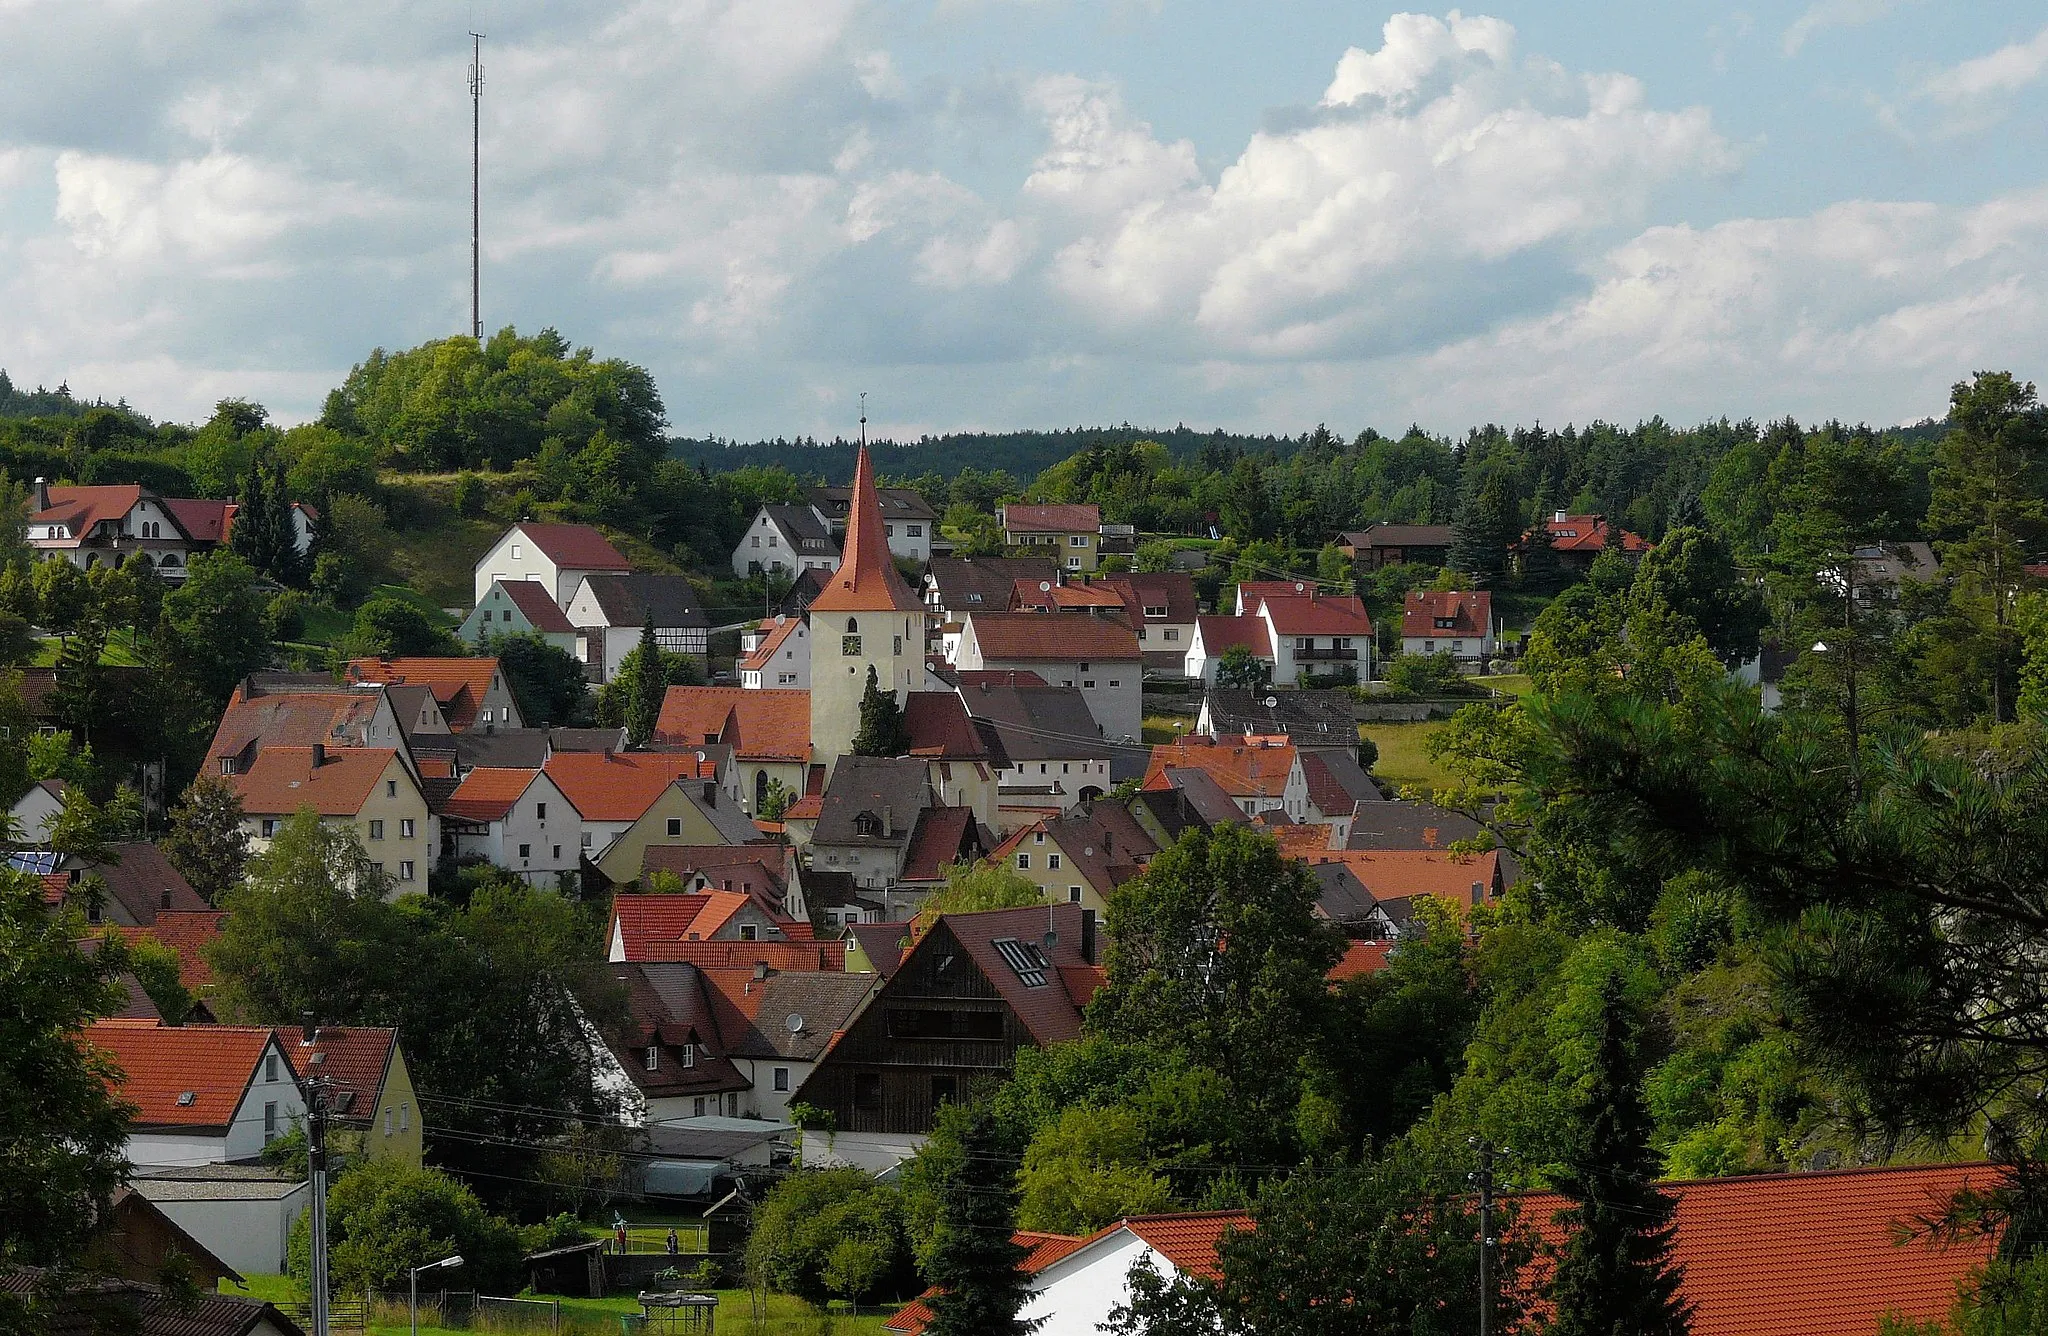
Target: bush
{"x":829,"y":1233}
{"x":469,"y":495}
{"x":384,"y":1217}
{"x":288,"y":615}
{"x":1425,"y":674}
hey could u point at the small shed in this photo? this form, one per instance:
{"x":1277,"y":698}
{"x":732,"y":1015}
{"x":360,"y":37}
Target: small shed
{"x":569,"y":1269}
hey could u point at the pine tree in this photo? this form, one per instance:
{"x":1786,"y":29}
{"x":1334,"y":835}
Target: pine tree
{"x":976,"y":1264}
{"x":650,"y":687}
{"x":249,"y":539}
{"x":288,"y":564}
{"x":881,"y":730}
{"x":1486,"y":527}
{"x":1615,"y":1276}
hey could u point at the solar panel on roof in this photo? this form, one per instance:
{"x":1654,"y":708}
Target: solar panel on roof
{"x":41,"y":862}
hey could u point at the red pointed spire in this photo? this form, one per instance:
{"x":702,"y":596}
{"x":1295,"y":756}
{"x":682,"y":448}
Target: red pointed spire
{"x":866,"y":580}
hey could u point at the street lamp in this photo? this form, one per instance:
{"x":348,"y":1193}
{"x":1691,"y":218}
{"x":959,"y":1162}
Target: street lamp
{"x":414,"y":1305}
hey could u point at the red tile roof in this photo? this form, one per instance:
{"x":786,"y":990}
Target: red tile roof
{"x":915,"y":1316}
{"x":1051,"y":1014}
{"x":459,"y":685}
{"x":1221,"y":633}
{"x":1250,"y":592}
{"x":575,"y":547}
{"x":1396,"y":873}
{"x":352,"y":1059}
{"x":1174,"y":590}
{"x":939,"y":727}
{"x":161,"y":1064}
{"x":487,"y":793}
{"x":1002,"y":677}
{"x":1008,"y":636}
{"x":757,"y":725}
{"x":284,"y":779}
{"x":805,"y":954}
{"x":538,"y":606}
{"x":1469,"y":612}
{"x":1360,"y":959}
{"x":1052,"y":518}
{"x":1589,"y":533}
{"x":620,"y":786}
{"x":1188,"y":1240}
{"x":1813,"y":1254}
{"x":79,"y":508}
{"x":336,"y":718}
{"x":1027,"y":596}
{"x":936,"y":843}
{"x":649,"y":923}
{"x":1242,"y":771}
{"x":867,"y":580}
{"x":1322,"y":615}
{"x":187,"y":932}
{"x":204,"y":520}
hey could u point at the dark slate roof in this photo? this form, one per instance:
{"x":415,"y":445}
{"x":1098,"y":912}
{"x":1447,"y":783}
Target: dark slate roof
{"x":667,"y":1002}
{"x":627,"y":600}
{"x":1336,"y":782}
{"x":587,"y":739}
{"x":803,"y":525}
{"x":1037,"y":723}
{"x":1341,"y":897}
{"x":1174,"y":589}
{"x":1210,"y":803}
{"x":1406,"y":825}
{"x":871,"y":784}
{"x":144,"y":882}
{"x":508,"y":749}
{"x":1051,"y":1012}
{"x":898,"y":503}
{"x":1308,"y":718}
{"x":882,"y":943}
{"x":759,"y":1018}
{"x":939,"y":727}
{"x":1401,"y":535}
{"x":1104,"y":841}
{"x":983,"y":584}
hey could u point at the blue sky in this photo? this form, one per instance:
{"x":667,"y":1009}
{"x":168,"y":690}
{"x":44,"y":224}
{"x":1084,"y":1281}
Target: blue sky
{"x":996,"y":213}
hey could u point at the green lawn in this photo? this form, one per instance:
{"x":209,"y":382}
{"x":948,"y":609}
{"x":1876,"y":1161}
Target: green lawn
{"x":117,"y":654}
{"x":785,"y":1316}
{"x":1402,"y":760}
{"x":1508,"y":684}
{"x":1160,"y":727}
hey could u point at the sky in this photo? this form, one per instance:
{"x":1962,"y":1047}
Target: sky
{"x":993,"y":214}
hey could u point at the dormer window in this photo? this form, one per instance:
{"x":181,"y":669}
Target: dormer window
{"x":651,"y":1059}
{"x":866,"y":824}
{"x":689,"y":1055}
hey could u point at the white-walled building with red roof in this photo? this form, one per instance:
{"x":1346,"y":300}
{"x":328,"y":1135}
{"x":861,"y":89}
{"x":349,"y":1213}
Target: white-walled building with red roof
{"x":560,"y":556}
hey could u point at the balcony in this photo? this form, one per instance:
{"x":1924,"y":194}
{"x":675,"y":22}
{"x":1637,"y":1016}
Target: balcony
{"x":1326,"y":656}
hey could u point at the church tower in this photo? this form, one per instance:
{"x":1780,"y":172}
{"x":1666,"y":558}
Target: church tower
{"x":866,"y":617}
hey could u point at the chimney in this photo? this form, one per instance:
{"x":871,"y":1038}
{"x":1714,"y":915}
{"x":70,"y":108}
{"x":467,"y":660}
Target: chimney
{"x":42,"y":493}
{"x":1559,"y":518}
{"x":711,"y":793}
{"x":760,"y":969}
{"x":1088,"y":935}
{"x":888,"y":822}
{"x":319,"y":755}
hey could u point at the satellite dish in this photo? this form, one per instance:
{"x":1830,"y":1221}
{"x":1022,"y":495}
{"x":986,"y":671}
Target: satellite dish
{"x":1272,"y":701}
{"x":793,"y":1023}
{"x":1052,"y":939}
{"x":1045,"y":586}
{"x":1299,"y":586}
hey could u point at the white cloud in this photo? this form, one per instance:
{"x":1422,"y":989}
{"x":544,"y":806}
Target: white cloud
{"x":2006,"y":70}
{"x":1414,"y":47}
{"x":1825,"y":14}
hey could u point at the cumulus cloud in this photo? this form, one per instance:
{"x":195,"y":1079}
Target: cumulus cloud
{"x":2006,"y":70}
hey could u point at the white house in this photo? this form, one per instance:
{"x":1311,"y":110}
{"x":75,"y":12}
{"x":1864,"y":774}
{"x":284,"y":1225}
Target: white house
{"x":787,"y":540}
{"x":777,"y":653}
{"x":1074,"y":1293}
{"x":908,"y":520}
{"x":519,"y":607}
{"x":35,"y":810}
{"x":1316,"y":634}
{"x":513,"y":819}
{"x":1455,"y":622}
{"x":610,"y":611}
{"x":1098,"y":655}
{"x":560,"y":556}
{"x":243,"y":1214}
{"x":1216,"y":636}
{"x":203,"y":1094}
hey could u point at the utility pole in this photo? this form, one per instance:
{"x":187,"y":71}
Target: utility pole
{"x":316,"y":1162}
{"x":1484,"y":1179}
{"x":476,"y":121}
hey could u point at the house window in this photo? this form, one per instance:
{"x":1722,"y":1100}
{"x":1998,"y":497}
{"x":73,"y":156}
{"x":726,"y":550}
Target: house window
{"x":1429,"y":647}
{"x":675,"y":826}
{"x":405,"y":869}
{"x":269,"y":1121}
{"x":387,"y":1122}
{"x":1053,"y":861}
{"x":526,"y":851}
{"x":698,"y":1107}
{"x":405,"y":828}
{"x":651,"y":1059}
{"x":1088,"y":682}
{"x":914,"y":530}
{"x":586,"y":839}
{"x":749,"y":933}
{"x":1116,"y":681}
{"x":391,"y":788}
{"x":1073,"y":563}
{"x":1073,"y":895}
{"x":558,"y":852}
{"x":1023,"y":862}
{"x":1172,"y":633}
{"x":689,"y":1055}
{"x":899,"y":644}
{"x":269,"y":827}
{"x":270,"y":1066}
{"x":945,"y":1089}
{"x":540,"y":811}
{"x":404,"y":1117}
{"x":867,"y":1090}
{"x":782,"y":1078}
{"x":376,"y":830}
{"x":515,"y":551}
{"x":1077,"y":540}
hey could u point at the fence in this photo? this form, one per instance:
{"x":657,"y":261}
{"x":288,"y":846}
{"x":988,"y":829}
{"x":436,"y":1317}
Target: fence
{"x":690,"y":1238}
{"x":345,"y":1316}
{"x":466,"y":1310}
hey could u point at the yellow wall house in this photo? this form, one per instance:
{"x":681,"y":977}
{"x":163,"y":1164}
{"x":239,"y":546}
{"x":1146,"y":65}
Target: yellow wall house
{"x":689,"y":811}
{"x":367,"y":788}
{"x":1081,"y":857}
{"x":1067,"y":535}
{"x":368,"y":1088}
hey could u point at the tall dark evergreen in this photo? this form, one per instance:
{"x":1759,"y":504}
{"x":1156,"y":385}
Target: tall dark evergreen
{"x":1487,"y":526}
{"x":976,"y":1264}
{"x":650,"y":686}
{"x":1615,"y":1276}
{"x":881,"y":732}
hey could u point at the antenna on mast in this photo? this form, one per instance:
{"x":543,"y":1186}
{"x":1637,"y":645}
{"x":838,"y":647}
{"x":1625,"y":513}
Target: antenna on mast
{"x":476,"y":120}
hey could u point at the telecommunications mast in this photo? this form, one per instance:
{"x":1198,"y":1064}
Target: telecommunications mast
{"x":476,"y":120}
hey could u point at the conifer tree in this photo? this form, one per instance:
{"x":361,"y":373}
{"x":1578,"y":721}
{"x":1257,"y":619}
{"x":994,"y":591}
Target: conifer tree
{"x":650,"y":687}
{"x":249,"y":539}
{"x":976,"y":1264}
{"x":1615,"y":1276}
{"x":1486,"y":528}
{"x":881,"y":730}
